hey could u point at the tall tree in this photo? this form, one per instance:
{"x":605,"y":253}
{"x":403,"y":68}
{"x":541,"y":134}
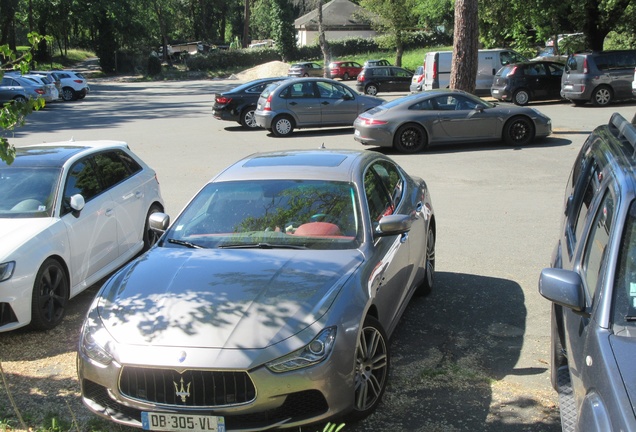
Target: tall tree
{"x":392,"y":17}
{"x":322,"y":40}
{"x":465,"y":46}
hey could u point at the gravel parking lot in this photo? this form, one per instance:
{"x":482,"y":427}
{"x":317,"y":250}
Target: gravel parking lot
{"x":473,"y":356}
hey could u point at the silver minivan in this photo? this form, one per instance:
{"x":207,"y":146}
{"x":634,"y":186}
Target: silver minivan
{"x":600,"y":77}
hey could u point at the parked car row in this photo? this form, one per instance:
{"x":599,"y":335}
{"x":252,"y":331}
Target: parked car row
{"x":49,"y":85}
{"x":408,"y":124}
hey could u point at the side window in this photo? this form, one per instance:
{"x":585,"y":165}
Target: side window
{"x":597,"y":242}
{"x":82,"y":179}
{"x":582,"y":199}
{"x":111,"y":168}
{"x":383,"y":186}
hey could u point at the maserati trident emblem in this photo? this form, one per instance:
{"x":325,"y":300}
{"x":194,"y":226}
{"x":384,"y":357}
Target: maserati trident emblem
{"x":182,"y":392}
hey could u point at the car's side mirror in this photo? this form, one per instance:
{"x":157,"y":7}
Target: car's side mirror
{"x":393,"y":225}
{"x":563,"y":287}
{"x":159,"y":222}
{"x":77,"y":204}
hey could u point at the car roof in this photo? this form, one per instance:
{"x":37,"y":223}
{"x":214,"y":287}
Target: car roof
{"x":321,"y":164}
{"x":56,"y":154}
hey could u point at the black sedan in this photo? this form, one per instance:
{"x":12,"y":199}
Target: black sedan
{"x":374,"y":79}
{"x":529,"y":81}
{"x":239,"y":103}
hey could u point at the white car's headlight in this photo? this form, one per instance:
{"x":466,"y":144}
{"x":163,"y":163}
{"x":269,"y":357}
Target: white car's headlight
{"x":6,"y":270}
{"x":314,"y":352}
{"x":94,"y":341}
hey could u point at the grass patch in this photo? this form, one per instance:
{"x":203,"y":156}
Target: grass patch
{"x":411,"y":59}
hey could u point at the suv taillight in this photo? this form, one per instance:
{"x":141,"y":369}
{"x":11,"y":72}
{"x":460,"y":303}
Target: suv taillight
{"x":585,"y":70}
{"x":268,"y":104}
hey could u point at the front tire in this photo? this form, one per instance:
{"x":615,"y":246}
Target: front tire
{"x":371,"y":90}
{"x":521,"y":97}
{"x":282,"y":126}
{"x":426,"y":286}
{"x":518,"y":131}
{"x":602,"y":96}
{"x":410,"y":138}
{"x":372,"y":359}
{"x":248,"y":118}
{"x":557,"y":352}
{"x":50,"y":295}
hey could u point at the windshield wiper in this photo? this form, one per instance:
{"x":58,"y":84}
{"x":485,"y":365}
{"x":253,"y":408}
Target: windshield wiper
{"x":185,"y":243}
{"x":261,"y":245}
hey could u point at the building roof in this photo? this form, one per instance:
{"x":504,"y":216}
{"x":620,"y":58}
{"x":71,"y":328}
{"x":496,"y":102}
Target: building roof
{"x":335,"y":14}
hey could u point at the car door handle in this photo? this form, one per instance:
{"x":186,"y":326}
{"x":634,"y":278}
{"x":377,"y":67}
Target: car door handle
{"x":324,"y":103}
{"x":109,"y":212}
{"x":139,"y":194}
{"x":419,"y":206}
{"x":293,"y":103}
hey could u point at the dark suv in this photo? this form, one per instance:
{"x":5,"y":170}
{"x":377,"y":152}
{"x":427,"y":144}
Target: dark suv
{"x":599,"y":77}
{"x":374,"y":79}
{"x":592,"y":286}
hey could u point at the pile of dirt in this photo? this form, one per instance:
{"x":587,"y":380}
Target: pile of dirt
{"x":271,"y":69}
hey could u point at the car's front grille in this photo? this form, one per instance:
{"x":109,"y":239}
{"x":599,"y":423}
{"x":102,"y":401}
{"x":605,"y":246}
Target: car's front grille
{"x":192,"y":388}
{"x":299,"y":406}
{"x":7,"y":315}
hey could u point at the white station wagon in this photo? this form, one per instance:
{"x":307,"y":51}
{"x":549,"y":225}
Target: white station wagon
{"x":70,"y":214}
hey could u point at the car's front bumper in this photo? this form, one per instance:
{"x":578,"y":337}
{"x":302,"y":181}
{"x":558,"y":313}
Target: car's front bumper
{"x":305,"y":396}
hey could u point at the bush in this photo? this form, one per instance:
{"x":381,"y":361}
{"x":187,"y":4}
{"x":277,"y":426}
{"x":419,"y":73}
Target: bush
{"x":154,"y":65}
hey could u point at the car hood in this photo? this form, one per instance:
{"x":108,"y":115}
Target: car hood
{"x":624,"y":349}
{"x":14,"y":232}
{"x":222,"y":298}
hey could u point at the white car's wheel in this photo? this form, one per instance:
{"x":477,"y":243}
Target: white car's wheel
{"x":50,"y":295}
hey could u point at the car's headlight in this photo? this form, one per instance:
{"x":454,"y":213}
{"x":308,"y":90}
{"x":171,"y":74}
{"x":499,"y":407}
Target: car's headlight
{"x":314,"y":352}
{"x":6,"y":270}
{"x":94,"y":341}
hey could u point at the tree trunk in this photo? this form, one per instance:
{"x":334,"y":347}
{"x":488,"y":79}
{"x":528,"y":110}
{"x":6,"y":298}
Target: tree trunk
{"x":465,"y":46}
{"x":246,"y":25}
{"x":324,"y":45}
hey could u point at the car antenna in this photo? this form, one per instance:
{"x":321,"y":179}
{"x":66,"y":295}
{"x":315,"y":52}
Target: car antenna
{"x":322,"y":146}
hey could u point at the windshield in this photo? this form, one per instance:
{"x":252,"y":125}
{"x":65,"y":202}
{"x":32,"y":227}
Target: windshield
{"x":624,"y":305}
{"x":27,"y":192}
{"x":270,"y":213}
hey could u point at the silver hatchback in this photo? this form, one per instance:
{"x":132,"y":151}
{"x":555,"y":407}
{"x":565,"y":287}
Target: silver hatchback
{"x":309,"y":103}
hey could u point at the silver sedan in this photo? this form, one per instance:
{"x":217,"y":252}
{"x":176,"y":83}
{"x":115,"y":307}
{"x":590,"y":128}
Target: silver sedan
{"x":309,"y":103}
{"x":269,"y":302}
{"x":411,"y":123}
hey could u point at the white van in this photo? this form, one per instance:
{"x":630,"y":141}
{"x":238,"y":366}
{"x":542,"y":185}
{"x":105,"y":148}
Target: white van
{"x":437,"y":67}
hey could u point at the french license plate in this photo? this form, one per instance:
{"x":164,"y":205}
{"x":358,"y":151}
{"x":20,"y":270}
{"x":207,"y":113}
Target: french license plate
{"x":568,"y":87}
{"x":181,"y":422}
{"x":356,"y":132}
{"x":495,"y":91}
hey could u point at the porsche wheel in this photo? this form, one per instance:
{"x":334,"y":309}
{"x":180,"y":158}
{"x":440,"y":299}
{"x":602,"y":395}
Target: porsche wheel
{"x":518,"y":131}
{"x":410,"y":138}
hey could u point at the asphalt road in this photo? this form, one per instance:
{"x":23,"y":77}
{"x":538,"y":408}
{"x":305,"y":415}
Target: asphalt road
{"x":473,"y":356}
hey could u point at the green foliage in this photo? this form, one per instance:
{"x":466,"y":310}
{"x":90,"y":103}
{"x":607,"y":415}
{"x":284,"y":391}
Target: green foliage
{"x":332,"y":427}
{"x":13,"y":114}
{"x":154,"y":65}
